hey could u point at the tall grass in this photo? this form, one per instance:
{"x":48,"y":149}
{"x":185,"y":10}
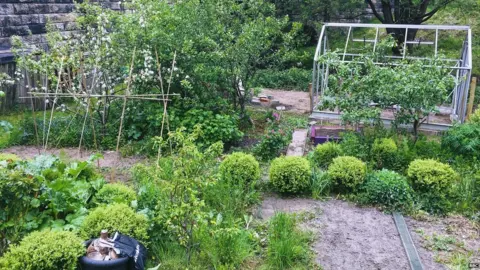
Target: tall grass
{"x":287,"y":245}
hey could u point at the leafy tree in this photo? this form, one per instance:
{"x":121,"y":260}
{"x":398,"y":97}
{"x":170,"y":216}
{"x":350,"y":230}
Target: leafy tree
{"x":362,"y":89}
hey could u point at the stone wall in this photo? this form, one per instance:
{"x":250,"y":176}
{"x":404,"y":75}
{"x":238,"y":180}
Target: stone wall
{"x":27,"y":18}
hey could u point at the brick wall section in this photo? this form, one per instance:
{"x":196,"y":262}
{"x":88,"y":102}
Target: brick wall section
{"x":28,"y":18}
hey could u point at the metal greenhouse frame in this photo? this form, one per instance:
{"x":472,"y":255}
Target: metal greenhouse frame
{"x":461,"y":67}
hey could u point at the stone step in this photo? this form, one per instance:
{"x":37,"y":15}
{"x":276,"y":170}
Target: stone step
{"x":299,"y":140}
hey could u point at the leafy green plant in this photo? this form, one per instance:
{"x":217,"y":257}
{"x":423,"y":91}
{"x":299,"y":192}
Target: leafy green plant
{"x":290,"y":174}
{"x":353,"y":146}
{"x":49,"y":250}
{"x":239,"y":168}
{"x":287,"y":245}
{"x":463,"y":139}
{"x":389,"y":190}
{"x":271,"y":144}
{"x":115,"y":217}
{"x":383,"y":152}
{"x":323,"y":154}
{"x":347,"y":173}
{"x":293,"y":78}
{"x":321,"y":184}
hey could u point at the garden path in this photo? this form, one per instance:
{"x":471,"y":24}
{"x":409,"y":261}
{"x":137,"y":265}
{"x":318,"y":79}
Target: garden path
{"x":349,"y":237}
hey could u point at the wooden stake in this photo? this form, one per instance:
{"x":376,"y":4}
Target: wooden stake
{"x":53,"y":105}
{"x":125,"y":100}
{"x":310,"y":92}
{"x":473,"y":86}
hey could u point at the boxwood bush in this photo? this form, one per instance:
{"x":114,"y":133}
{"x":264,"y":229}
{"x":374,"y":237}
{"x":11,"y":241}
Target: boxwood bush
{"x":290,"y":174}
{"x":387,"y":189}
{"x":428,"y":175}
{"x":433,"y":181}
{"x":240,"y":168}
{"x":325,"y":153}
{"x":383,"y":152}
{"x":347,"y":173}
{"x":116,"y":193}
{"x":115,"y":217}
{"x":46,"y":250}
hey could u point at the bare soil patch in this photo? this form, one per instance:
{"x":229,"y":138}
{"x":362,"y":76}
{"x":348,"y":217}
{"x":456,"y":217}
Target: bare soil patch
{"x":294,"y":101}
{"x":350,"y":237}
{"x":445,"y":240}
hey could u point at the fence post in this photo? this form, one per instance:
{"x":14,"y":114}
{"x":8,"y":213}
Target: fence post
{"x":310,"y":92}
{"x":473,"y":86}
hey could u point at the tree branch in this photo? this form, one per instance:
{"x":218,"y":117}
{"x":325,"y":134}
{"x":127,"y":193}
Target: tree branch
{"x":375,"y":12}
{"x":428,"y":15}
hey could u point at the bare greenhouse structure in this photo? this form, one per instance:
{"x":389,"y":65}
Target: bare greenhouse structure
{"x":451,"y":45}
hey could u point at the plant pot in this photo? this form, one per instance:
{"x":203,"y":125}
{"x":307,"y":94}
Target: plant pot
{"x":118,"y":264}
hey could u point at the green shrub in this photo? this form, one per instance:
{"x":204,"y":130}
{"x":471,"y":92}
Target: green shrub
{"x":388,"y":189}
{"x":433,"y":181}
{"x":116,"y":193}
{"x":290,"y":174}
{"x":353,"y":146}
{"x":383,"y":152}
{"x":46,"y":250}
{"x":240,"y":169}
{"x":475,"y":117}
{"x":325,"y":153}
{"x":115,"y":217}
{"x":272,"y":144}
{"x":463,"y":139}
{"x":293,"y":78}
{"x":428,"y":175}
{"x":347,"y":173}
{"x":287,"y":245}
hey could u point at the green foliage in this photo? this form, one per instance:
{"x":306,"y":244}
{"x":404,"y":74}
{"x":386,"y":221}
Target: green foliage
{"x":271,"y":144}
{"x":387,"y":189}
{"x":433,"y":181}
{"x":293,"y":78}
{"x":9,"y":158}
{"x":287,"y":245}
{"x":321,"y":184}
{"x":224,"y":248}
{"x":352,"y":145}
{"x":290,"y":174}
{"x":240,"y":169}
{"x":428,"y":175}
{"x":383,"y":152}
{"x":363,"y":81}
{"x":475,"y":117}
{"x":463,"y":139}
{"x":323,"y":154}
{"x":116,"y":193}
{"x":347,"y":173}
{"x":115,"y":217}
{"x":44,"y":193}
{"x":46,"y":250}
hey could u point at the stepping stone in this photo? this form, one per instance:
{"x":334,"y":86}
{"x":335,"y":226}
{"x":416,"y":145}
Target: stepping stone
{"x":299,"y":140}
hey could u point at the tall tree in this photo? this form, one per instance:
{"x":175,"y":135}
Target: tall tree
{"x":406,"y":12}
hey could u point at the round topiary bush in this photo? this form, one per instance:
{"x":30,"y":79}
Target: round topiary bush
{"x":115,"y":217}
{"x":388,"y":189}
{"x":431,"y":176}
{"x":325,"y":153}
{"x":383,"y":152}
{"x":46,"y":250}
{"x":240,"y":168}
{"x":290,"y":174}
{"x":347,"y":173}
{"x":116,"y":193}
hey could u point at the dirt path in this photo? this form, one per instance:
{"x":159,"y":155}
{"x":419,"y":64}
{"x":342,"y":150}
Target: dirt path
{"x":294,"y":101}
{"x":349,"y":237}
